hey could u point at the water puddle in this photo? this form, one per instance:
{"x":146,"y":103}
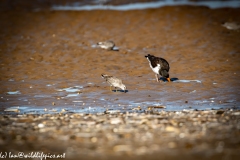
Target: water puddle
{"x":71,"y":89}
{"x":14,"y":92}
{"x":187,"y":81}
{"x":72,"y":95}
{"x":88,"y":98}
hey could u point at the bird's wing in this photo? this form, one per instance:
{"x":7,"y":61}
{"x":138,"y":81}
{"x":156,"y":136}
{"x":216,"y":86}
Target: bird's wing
{"x":115,"y":80}
{"x":110,"y":79}
{"x":164,"y":64}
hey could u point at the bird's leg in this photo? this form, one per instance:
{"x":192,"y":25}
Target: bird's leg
{"x":156,"y":77}
{"x":168,"y":79}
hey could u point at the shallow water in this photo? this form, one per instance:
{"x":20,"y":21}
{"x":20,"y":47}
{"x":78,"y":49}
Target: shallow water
{"x":143,"y":5}
{"x":51,"y":64}
{"x":49,"y":97}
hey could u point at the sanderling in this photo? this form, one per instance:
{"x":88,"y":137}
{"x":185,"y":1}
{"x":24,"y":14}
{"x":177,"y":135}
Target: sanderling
{"x":159,"y":66}
{"x":108,"y":45}
{"x":231,"y":25}
{"x":115,"y":82}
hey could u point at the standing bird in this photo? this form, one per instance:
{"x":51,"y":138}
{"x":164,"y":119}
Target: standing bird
{"x":159,"y":66}
{"x":115,"y":82}
{"x":108,"y":45}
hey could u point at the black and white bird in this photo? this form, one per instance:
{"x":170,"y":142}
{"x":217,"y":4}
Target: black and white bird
{"x":159,"y":66}
{"x":108,"y":45}
{"x":115,"y":82}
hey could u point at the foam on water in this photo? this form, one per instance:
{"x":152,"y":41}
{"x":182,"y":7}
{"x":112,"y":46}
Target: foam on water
{"x":148,"y":5}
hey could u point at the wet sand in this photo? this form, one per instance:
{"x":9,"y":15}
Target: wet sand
{"x":46,"y":53}
{"x":42,"y":52}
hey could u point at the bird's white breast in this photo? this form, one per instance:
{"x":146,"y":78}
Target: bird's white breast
{"x":104,"y":46}
{"x":155,"y":69}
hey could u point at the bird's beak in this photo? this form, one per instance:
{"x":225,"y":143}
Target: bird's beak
{"x":168,"y":79}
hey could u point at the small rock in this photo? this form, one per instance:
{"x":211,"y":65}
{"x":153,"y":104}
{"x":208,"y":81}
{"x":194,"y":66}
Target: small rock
{"x":116,"y":121}
{"x":122,"y":148}
{"x":220,"y":112}
{"x":40,"y":125}
{"x":137,"y":108}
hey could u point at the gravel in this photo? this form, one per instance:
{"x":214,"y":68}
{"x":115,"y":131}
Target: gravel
{"x":211,"y":134}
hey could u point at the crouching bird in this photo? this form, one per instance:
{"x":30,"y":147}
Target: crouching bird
{"x":159,"y":66}
{"x":115,"y":82}
{"x":108,"y":45}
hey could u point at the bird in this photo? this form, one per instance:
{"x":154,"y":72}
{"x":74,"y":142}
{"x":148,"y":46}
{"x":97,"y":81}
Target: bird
{"x":231,"y":25}
{"x":115,"y":82}
{"x":108,"y":45}
{"x":159,"y":66}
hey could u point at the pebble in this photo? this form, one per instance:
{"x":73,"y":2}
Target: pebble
{"x":115,"y":133}
{"x":40,"y":125}
{"x":137,"y":108}
{"x":115,"y":121}
{"x":122,"y":148}
{"x":112,"y":111}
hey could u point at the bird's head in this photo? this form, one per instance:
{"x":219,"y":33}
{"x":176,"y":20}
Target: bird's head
{"x":103,"y":75}
{"x":148,"y":56}
{"x":123,"y":87}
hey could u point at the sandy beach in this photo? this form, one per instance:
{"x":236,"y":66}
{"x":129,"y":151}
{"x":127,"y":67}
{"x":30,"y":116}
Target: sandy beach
{"x":51,"y":81}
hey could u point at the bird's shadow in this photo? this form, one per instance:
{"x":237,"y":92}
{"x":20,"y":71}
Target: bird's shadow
{"x":116,"y":90}
{"x":115,"y":49}
{"x":165,"y":80}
